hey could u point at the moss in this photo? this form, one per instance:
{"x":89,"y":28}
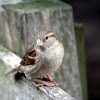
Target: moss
{"x":2,"y":49}
{"x":56,"y":76}
{"x":38,"y":5}
{"x":3,"y":38}
{"x":62,"y":72}
{"x":2,"y":71}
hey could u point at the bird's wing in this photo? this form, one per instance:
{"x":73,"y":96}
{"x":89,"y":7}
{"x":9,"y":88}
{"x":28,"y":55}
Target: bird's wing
{"x":29,"y":57}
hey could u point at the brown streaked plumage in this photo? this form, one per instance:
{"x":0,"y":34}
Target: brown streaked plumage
{"x":29,"y":57}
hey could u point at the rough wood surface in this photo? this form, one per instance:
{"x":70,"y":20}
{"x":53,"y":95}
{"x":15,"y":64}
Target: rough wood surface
{"x":23,"y":90}
{"x":25,"y":19}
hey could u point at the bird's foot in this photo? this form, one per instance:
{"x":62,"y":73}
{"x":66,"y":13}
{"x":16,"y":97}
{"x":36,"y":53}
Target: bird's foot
{"x":49,"y":78}
{"x":44,"y":83}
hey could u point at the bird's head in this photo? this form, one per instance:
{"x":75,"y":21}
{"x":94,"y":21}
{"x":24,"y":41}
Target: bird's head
{"x":46,"y":40}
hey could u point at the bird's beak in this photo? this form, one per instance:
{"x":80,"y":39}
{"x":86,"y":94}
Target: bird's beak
{"x":39,"y":42}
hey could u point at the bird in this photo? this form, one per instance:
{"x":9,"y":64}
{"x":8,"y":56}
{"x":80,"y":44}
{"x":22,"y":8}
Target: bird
{"x":43,"y":58}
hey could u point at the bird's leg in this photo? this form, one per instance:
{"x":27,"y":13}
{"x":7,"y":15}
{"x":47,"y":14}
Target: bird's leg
{"x":49,"y":78}
{"x":42,"y":83}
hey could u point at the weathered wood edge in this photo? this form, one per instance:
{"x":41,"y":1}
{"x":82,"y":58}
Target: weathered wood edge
{"x":12,"y":60}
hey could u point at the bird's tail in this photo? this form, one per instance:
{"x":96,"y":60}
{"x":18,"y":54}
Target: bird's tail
{"x":14,"y":70}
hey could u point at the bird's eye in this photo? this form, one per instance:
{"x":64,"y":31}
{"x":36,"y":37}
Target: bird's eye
{"x":46,"y":37}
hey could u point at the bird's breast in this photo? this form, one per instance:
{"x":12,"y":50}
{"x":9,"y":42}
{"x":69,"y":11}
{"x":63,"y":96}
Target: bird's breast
{"x":52,"y":59}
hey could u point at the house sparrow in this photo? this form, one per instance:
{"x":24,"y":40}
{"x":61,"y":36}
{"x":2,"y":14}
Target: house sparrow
{"x":42,"y":58}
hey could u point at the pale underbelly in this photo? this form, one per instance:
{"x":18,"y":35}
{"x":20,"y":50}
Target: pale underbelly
{"x":43,"y":70}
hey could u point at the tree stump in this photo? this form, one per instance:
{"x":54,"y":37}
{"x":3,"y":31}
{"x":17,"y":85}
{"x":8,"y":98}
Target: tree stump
{"x":23,"y":20}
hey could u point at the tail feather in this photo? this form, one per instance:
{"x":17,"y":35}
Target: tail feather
{"x":14,"y":70}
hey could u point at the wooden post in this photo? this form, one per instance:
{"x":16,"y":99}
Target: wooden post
{"x":26,"y":19}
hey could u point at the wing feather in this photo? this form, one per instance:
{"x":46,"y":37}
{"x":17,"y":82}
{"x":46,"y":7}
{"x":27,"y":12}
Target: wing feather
{"x":29,"y":57}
